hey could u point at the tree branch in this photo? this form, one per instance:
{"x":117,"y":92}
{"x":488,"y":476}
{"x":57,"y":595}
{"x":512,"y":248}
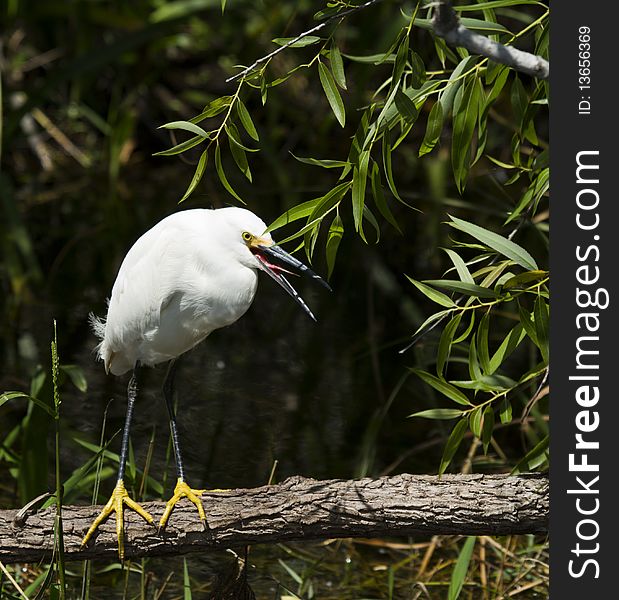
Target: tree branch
{"x":297,"y":509}
{"x":315,"y":29}
{"x":447,"y":26}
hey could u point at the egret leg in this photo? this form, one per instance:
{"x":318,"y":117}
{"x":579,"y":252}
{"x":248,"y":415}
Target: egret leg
{"x":181,"y":489}
{"x":120,"y":497}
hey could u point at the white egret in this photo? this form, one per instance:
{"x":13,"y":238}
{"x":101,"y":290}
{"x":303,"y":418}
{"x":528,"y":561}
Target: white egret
{"x":193,"y":272}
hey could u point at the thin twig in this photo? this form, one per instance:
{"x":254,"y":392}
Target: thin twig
{"x":293,"y":41}
{"x":12,"y":580}
{"x":541,"y":391}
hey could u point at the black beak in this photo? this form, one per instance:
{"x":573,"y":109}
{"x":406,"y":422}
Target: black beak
{"x":263,"y":253}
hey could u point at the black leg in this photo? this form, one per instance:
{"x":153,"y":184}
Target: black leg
{"x":182,"y":490}
{"x":132,"y":391}
{"x":120,"y":497}
{"x":168,"y":392}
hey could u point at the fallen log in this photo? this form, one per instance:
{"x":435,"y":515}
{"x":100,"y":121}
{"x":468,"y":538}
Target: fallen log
{"x":294,"y":510}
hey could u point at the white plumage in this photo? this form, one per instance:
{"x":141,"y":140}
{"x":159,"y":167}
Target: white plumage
{"x":190,"y":274}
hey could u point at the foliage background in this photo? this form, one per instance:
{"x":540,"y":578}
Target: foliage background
{"x":85,"y":89}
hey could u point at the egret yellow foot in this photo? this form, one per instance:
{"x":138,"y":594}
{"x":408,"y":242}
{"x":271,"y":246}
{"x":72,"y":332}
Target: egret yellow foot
{"x":115,"y":504}
{"x":183,"y":490}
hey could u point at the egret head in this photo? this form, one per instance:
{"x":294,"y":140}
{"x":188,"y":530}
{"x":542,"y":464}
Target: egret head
{"x":257,"y":250}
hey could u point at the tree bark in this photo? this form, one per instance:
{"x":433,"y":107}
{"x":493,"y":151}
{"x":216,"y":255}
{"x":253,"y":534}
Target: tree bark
{"x":297,"y":509}
{"x":447,"y":26}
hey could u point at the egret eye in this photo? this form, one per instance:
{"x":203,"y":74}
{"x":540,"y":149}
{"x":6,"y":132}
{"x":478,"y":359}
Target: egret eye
{"x":248,"y":237}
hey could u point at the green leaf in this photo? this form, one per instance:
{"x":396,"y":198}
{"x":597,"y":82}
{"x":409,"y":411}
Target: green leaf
{"x":453,"y":442}
{"x":234,"y":137}
{"x":461,"y":287}
{"x":505,"y":411}
{"x":330,"y":11}
{"x":497,"y":242}
{"x":418,"y":71}
{"x":486,"y":383}
{"x":519,"y":100}
{"x":438,"y":413}
{"x":401,"y":59}
{"x":474,"y":370}
{"x":329,"y":201}
{"x":76,"y":375}
{"x":386,"y":150}
{"x":387,"y":117}
{"x":460,"y":569}
{"x":508,"y":345}
{"x":246,"y":120}
{"x":475,"y":421}
{"x":433,"y":294}
{"x":371,"y":59}
{"x":186,"y":581}
{"x":445,"y":343}
{"x":359,"y":181}
{"x":488,"y":27}
{"x":308,"y":40}
{"x":333,"y":96}
{"x":443,"y":387}
{"x":527,"y":323}
{"x":487,"y":427}
{"x":197,"y":175}
{"x":368,"y":215}
{"x":222,"y":176}
{"x":324,"y":163}
{"x":540,"y":313}
{"x":464,"y":120}
{"x":433,"y":129}
{"x":454,"y":83}
{"x":538,"y":188}
{"x":264,"y":90}
{"x":379,"y":197}
{"x":497,"y":87}
{"x":187,"y":126}
{"x":537,"y":456}
{"x":336,"y":232}
{"x":406,"y":107}
{"x":439,"y":316}
{"x":308,"y":227}
{"x":297,"y":578}
{"x":461,"y":268}
{"x":467,"y":331}
{"x":482,"y":342}
{"x":495,"y":4}
{"x":238,"y":154}
{"x":213,"y":109}
{"x":337,"y":66}
{"x":182,"y":147}
{"x":520,"y":280}
{"x":294,"y":214}
{"x":8,"y":396}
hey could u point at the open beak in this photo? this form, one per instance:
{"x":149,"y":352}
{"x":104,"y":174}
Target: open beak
{"x":265,"y":254}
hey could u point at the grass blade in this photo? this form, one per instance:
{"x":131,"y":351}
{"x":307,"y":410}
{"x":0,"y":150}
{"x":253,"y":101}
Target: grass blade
{"x":461,"y":568}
